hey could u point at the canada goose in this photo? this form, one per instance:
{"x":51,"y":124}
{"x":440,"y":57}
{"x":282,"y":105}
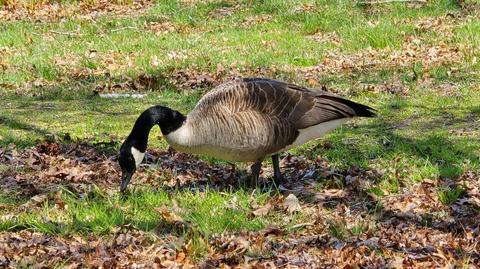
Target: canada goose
{"x":243,"y":120}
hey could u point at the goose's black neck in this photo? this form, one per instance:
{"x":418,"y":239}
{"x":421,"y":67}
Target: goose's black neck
{"x":168,"y":119}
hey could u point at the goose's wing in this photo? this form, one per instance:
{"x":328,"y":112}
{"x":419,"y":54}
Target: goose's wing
{"x":302,"y":107}
{"x":316,"y":107}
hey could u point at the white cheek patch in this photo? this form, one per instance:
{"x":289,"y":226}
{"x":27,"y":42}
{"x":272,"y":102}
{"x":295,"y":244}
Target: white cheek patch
{"x":137,"y":155}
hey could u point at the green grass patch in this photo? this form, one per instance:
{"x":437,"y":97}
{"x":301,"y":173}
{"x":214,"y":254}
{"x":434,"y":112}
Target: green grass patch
{"x":450,"y":195}
{"x":203,"y":41}
{"x":208,"y":212}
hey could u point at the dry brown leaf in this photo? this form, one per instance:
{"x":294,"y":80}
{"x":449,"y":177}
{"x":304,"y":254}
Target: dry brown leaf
{"x":168,"y":215}
{"x":292,"y":204}
{"x":272,"y":231}
{"x":262,"y":210}
{"x":35,"y":201}
{"x":154,"y":62}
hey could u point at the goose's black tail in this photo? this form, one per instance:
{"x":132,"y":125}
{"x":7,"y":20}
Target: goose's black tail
{"x":360,"y":110}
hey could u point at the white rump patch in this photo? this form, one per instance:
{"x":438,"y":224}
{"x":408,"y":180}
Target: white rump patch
{"x":315,"y":131}
{"x":137,"y":155}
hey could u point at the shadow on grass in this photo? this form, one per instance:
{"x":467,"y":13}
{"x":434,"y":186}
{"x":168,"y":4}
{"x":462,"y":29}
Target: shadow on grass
{"x":438,"y":140}
{"x":12,"y":123}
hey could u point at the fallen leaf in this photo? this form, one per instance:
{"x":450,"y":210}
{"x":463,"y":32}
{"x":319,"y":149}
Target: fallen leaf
{"x":272,"y":231}
{"x":292,"y":204}
{"x":167,"y":215}
{"x":233,"y":203}
{"x":180,"y":256}
{"x":154,"y":61}
{"x":262,"y":210}
{"x":34,"y":201}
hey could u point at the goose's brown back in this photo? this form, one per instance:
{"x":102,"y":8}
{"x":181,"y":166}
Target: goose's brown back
{"x":247,"y":119}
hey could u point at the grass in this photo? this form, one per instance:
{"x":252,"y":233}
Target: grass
{"x":99,"y":213}
{"x":338,"y":231}
{"x":48,"y":79}
{"x":205,"y":42}
{"x":205,"y":214}
{"x":449,"y":195}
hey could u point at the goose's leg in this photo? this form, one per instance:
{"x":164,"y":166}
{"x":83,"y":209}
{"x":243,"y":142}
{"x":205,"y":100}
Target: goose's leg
{"x":277,"y":174}
{"x":255,"y":168}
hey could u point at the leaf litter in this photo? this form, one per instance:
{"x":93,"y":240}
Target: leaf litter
{"x":48,"y":11}
{"x":340,"y":224}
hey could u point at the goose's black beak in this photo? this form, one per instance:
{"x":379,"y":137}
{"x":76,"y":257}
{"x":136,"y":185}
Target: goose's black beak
{"x":126,"y":177}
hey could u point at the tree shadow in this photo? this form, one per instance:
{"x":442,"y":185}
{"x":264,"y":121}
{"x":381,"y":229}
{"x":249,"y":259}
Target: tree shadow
{"x":12,"y":123}
{"x":426,"y":141}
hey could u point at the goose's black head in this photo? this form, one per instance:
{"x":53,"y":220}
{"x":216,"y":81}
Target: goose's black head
{"x":133,"y":148}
